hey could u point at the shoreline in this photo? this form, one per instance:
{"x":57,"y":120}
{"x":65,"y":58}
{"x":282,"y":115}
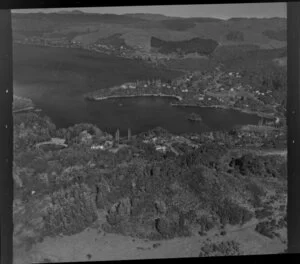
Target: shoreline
{"x":179,"y":98}
{"x":270,"y":116}
{"x":29,"y":108}
{"x":95,"y":98}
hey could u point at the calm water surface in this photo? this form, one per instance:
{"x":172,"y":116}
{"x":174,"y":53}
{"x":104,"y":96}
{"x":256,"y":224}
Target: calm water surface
{"x":56,"y":80}
{"x":144,"y":113}
{"x":139,"y":114}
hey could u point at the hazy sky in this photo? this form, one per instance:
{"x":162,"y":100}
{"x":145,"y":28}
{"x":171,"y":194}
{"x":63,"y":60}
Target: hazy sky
{"x":220,"y":11}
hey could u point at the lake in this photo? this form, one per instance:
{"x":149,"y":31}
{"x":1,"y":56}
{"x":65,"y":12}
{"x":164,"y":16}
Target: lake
{"x":56,"y":80}
{"x":144,"y":113}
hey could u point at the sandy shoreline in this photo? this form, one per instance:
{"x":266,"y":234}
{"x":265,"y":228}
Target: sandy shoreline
{"x":95,"y":98}
{"x":29,"y":108}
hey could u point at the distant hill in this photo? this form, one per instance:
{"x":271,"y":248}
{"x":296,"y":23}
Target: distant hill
{"x":195,"y":45}
{"x":178,"y":24}
{"x":77,"y":18}
{"x":235,"y":36}
{"x":138,"y":29}
{"x":74,"y":12}
{"x":186,"y":23}
{"x":149,"y":16}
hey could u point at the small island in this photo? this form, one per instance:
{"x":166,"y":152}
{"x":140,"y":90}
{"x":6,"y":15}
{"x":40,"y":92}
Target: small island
{"x":194,"y":117}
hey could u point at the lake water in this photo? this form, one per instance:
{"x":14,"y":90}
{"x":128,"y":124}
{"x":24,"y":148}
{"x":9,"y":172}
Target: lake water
{"x":144,"y":113}
{"x":56,"y":80}
{"x":139,"y":114}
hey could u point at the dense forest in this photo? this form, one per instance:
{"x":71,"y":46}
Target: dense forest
{"x":145,"y":193}
{"x":235,"y":36}
{"x":280,"y":35}
{"x":194,"y":45}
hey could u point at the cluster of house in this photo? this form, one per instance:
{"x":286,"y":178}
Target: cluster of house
{"x":234,"y":74}
{"x":164,"y":145}
{"x":159,"y":143}
{"x":157,"y":83}
{"x":103,"y":143}
{"x":108,"y":144}
{"x":51,"y":42}
{"x":109,"y":49}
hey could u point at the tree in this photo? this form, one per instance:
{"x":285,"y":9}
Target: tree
{"x":117,"y":136}
{"x":129,"y":134}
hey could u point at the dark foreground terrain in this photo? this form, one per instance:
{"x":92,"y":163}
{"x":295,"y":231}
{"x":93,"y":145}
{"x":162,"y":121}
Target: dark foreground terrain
{"x":198,"y":183}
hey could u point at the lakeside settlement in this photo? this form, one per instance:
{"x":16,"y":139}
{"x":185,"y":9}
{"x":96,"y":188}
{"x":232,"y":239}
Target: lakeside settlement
{"x":218,"y":89}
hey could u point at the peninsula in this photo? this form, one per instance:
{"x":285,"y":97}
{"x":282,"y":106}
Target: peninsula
{"x":217,"y":89}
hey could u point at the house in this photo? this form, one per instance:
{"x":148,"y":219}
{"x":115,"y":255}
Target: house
{"x":131,"y":86}
{"x":107,"y":144}
{"x":161,"y":148}
{"x":97,"y":147}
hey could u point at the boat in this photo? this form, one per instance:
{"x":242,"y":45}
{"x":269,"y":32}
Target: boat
{"x":194,"y":117}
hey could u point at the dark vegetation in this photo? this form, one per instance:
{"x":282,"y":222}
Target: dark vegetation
{"x":235,"y":36}
{"x":280,"y":35}
{"x":269,"y":78}
{"x":178,"y":24}
{"x":269,"y":227}
{"x":70,"y":210}
{"x":228,"y":248}
{"x":195,"y":45}
{"x":263,"y":213}
{"x":266,"y":228}
{"x":145,"y":193}
{"x":263,"y":166}
{"x":183,"y":24}
{"x":67,"y":35}
{"x":231,"y":213}
{"x":246,"y":57}
{"x":189,"y":64}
